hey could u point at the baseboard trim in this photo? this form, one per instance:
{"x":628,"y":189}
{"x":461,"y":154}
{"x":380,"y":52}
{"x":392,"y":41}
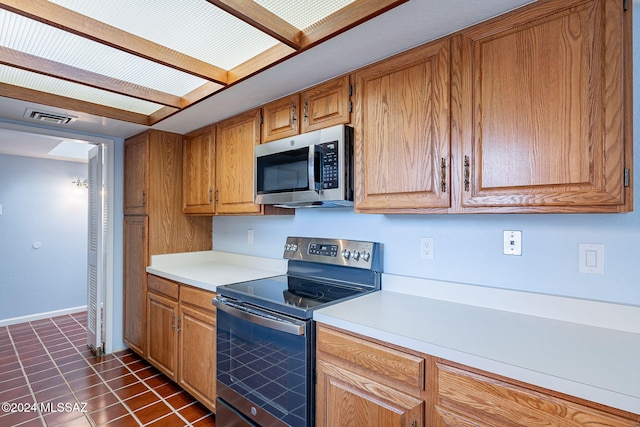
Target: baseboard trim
{"x":39,"y":316}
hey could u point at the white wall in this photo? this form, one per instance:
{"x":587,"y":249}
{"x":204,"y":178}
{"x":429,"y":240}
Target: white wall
{"x":39,"y":203}
{"x":468,"y":248}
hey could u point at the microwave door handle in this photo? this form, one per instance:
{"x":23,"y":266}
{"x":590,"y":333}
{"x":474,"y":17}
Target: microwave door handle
{"x":311,"y":167}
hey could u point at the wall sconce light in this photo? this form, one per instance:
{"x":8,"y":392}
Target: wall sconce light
{"x":81,"y":184}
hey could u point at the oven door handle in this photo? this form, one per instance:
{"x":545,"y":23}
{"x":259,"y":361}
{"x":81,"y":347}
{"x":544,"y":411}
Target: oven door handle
{"x":292,"y":327}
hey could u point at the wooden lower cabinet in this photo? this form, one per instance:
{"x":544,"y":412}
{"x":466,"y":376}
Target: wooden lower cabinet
{"x":471,"y":398}
{"x":181,"y":336}
{"x":197,"y":358}
{"x":134,"y":301}
{"x":348,"y":399}
{"x":362,"y":383}
{"x":365,"y":382}
{"x":162,"y":349}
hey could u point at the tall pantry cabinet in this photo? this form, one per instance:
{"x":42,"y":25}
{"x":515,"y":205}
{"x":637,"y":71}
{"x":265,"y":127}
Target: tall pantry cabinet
{"x":154,"y":223}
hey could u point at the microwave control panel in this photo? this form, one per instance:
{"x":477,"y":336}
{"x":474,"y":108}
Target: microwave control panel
{"x":328,"y":152}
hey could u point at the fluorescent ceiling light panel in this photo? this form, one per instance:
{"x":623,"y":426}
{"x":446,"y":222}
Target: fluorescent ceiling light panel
{"x":48,"y":84}
{"x":32,"y":37}
{"x":193,"y":27}
{"x":303,"y":14}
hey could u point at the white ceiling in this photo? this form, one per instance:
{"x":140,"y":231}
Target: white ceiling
{"x":399,"y":29}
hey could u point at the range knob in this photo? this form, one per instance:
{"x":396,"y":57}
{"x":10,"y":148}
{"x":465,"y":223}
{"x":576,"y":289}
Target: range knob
{"x":365,"y":256}
{"x":291,"y":247}
{"x":346,"y":254}
{"x":356,"y":255}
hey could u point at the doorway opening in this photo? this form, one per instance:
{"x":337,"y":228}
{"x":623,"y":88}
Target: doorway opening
{"x":102,"y":232}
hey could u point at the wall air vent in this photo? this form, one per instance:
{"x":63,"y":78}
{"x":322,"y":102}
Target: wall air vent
{"x":48,"y":117}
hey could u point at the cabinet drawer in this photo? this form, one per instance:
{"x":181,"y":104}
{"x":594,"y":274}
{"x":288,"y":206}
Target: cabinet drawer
{"x":468,"y":398}
{"x":163,"y":286}
{"x":197,"y":298}
{"x":385,"y":361}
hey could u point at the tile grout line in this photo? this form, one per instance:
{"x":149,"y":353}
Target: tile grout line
{"x":120,"y":400}
{"x":69,"y":334}
{"x":111,"y":390}
{"x":24,"y":373}
{"x":55,"y":363}
{"x":174,"y":410}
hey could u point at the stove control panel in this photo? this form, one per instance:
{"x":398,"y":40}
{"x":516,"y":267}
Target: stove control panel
{"x":352,"y":253}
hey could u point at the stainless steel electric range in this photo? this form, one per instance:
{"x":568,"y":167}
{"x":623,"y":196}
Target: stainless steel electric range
{"x":266,"y":335}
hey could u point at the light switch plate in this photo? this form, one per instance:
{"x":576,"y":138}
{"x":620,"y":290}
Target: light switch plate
{"x":591,"y":258}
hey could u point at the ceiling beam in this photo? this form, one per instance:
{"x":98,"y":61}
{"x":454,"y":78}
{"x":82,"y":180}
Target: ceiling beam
{"x":344,"y":19}
{"x":81,"y":25}
{"x":262,"y":19}
{"x":340,"y":21}
{"x":65,"y":72}
{"x":44,"y":98}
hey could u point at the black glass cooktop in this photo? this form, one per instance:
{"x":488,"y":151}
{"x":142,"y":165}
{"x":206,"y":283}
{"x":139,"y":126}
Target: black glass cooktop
{"x":289,"y":294}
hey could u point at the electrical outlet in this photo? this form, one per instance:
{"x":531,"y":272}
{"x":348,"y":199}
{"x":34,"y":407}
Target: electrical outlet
{"x":426,"y":247}
{"x":512,"y":242}
{"x":250,"y":236}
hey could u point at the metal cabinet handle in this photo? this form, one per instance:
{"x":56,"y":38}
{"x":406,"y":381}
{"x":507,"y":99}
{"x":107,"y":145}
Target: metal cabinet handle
{"x":293,"y":113}
{"x":443,"y":175}
{"x":173,"y":322}
{"x":466,"y":173}
{"x":179,"y":325}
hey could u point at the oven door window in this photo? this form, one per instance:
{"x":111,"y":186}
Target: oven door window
{"x":283,"y":172}
{"x":269,"y":368}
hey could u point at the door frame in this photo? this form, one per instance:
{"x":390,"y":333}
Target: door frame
{"x":109,"y":148}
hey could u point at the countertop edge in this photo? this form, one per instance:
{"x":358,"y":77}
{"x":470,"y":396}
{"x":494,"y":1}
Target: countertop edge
{"x":347,"y":316}
{"x":210,"y":269}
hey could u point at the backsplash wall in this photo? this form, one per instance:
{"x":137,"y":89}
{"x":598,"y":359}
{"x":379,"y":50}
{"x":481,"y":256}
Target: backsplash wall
{"x":468,"y":248}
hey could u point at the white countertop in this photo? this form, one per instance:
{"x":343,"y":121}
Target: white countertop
{"x":210,"y":269}
{"x":583,"y":348}
{"x":556,"y":343}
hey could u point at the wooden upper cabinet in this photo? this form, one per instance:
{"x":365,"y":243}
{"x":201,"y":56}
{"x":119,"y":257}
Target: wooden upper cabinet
{"x":235,"y":141}
{"x":402,"y":132}
{"x":199,"y":172}
{"x":136,"y":179}
{"x":539,"y":100}
{"x":281,"y":118}
{"x":327,"y":104}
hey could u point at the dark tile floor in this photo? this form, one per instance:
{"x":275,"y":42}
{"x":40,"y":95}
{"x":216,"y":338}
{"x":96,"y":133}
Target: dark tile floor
{"x":48,"y":377}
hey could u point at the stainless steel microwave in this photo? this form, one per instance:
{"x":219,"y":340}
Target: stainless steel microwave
{"x":314,"y":169}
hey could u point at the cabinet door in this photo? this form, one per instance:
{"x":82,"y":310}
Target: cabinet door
{"x":198,"y":355}
{"x":402,"y":132}
{"x":281,"y":118}
{"x":163,"y":325}
{"x":198,"y":173}
{"x":467,"y":398}
{"x":540,"y":107}
{"x":326,"y":105}
{"x":135,"y":282}
{"x":235,"y":142}
{"x":345,"y":398}
{"x":136,"y":178}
